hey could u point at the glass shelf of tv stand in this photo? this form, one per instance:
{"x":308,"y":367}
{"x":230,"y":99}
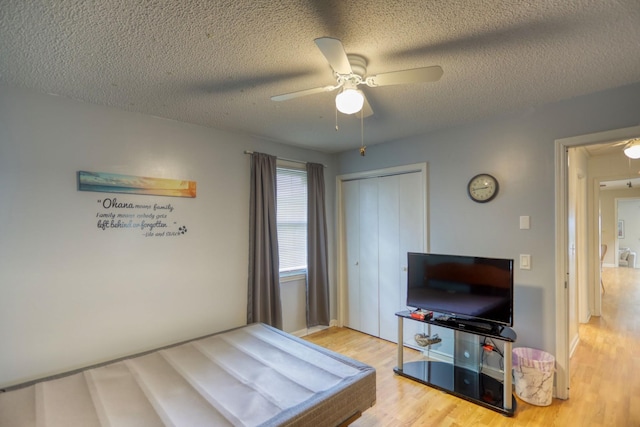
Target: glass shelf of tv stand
{"x":460,"y":381}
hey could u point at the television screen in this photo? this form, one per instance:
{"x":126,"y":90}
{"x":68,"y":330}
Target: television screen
{"x":465,"y":287}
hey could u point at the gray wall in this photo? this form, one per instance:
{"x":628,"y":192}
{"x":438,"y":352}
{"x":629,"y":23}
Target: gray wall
{"x":519,"y":150}
{"x":72,"y":294}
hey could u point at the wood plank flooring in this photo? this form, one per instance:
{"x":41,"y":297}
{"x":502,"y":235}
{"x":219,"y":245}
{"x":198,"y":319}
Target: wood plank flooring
{"x":605,"y":374}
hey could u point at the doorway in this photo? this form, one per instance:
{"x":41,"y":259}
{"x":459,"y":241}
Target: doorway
{"x":563,"y":248}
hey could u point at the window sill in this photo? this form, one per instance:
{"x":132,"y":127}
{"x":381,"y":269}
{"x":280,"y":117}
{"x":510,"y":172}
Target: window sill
{"x":293,"y":276}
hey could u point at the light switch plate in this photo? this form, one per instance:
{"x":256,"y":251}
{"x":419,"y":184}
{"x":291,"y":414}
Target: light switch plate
{"x":525,"y":222}
{"x":525,"y":262}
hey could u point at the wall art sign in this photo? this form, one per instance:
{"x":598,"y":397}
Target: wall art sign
{"x":147,"y":218}
{"x":130,"y":184}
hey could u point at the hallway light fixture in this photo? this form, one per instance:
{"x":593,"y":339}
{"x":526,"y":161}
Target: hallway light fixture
{"x":632,"y":149}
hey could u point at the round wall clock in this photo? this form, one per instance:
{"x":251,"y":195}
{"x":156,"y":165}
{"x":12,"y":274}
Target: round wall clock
{"x":483,"y":188}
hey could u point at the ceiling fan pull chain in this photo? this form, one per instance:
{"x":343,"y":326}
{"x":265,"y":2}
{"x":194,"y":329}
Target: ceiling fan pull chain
{"x":363,"y":148}
{"x":336,"y":119}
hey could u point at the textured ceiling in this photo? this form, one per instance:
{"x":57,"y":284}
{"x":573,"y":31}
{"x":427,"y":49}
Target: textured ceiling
{"x":216,"y":63}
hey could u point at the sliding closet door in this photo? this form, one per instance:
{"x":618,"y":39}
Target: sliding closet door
{"x":369,"y":299}
{"x":351,"y":221}
{"x":412,"y":239}
{"x":360,"y":219}
{"x":383,"y":218}
{"x":401,"y":225}
{"x":389,"y":226}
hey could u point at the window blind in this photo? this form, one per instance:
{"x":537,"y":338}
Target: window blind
{"x":292,"y":219}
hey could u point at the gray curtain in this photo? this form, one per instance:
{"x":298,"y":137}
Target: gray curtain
{"x":317,"y":267}
{"x":263,"y":303}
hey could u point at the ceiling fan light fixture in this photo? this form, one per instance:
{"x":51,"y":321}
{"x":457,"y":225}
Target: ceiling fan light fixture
{"x":632,"y":149}
{"x":349,"y":101}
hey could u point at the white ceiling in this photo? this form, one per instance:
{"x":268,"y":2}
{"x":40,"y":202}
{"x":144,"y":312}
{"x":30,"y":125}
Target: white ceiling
{"x":217,"y":63}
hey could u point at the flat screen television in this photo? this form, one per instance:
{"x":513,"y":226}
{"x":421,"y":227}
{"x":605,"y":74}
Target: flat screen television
{"x":467,"y":288}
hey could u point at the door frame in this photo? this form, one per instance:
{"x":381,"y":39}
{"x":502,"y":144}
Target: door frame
{"x":342,"y":284}
{"x":562,"y":247}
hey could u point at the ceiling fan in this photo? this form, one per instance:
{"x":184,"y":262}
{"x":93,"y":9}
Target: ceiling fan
{"x":631,"y":147}
{"x":350,"y":72}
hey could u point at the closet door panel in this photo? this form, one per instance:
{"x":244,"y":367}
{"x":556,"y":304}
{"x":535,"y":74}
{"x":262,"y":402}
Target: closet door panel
{"x":383,"y":219}
{"x":369,"y":309}
{"x":411,"y":207}
{"x":351,"y":221}
{"x":389,"y":226}
{"x":411,"y":237}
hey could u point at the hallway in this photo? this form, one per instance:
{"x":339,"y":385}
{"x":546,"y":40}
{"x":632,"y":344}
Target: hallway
{"x":605,"y":366}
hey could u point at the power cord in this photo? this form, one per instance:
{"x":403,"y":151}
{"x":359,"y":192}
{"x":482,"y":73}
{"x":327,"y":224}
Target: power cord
{"x":489,"y":346}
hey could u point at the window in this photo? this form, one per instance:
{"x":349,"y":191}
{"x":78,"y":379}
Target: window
{"x":292,"y":220}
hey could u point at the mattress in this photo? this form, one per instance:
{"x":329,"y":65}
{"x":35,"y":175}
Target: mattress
{"x":250,"y":376}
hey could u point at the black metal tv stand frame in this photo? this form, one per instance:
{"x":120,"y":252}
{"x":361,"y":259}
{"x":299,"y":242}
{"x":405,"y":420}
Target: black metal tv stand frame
{"x":460,"y":381}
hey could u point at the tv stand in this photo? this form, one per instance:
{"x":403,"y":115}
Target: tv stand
{"x":469,"y":325}
{"x":460,"y":381}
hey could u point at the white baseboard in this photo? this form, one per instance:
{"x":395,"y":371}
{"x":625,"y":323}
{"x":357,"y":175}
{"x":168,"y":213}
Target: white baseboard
{"x":494,"y":372}
{"x":437,"y":356}
{"x":573,"y":345}
{"x":309,"y":331}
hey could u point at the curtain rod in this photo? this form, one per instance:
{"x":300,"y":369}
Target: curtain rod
{"x":285,"y":159}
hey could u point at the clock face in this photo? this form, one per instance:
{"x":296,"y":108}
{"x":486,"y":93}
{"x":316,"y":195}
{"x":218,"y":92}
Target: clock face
{"x":482,"y":188}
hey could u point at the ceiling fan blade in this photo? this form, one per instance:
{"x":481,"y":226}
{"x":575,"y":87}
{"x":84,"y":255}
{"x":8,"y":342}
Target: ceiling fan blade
{"x":333,"y":50}
{"x":298,"y":94}
{"x":366,"y":108}
{"x":417,"y":75}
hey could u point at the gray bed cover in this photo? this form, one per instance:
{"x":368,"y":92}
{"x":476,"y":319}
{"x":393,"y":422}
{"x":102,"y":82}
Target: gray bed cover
{"x":251,"y":376}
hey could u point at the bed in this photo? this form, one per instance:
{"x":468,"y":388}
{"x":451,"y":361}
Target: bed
{"x":255,"y":375}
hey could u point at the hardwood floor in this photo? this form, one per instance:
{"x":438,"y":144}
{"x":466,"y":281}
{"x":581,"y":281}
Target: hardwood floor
{"x":605,"y":374}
